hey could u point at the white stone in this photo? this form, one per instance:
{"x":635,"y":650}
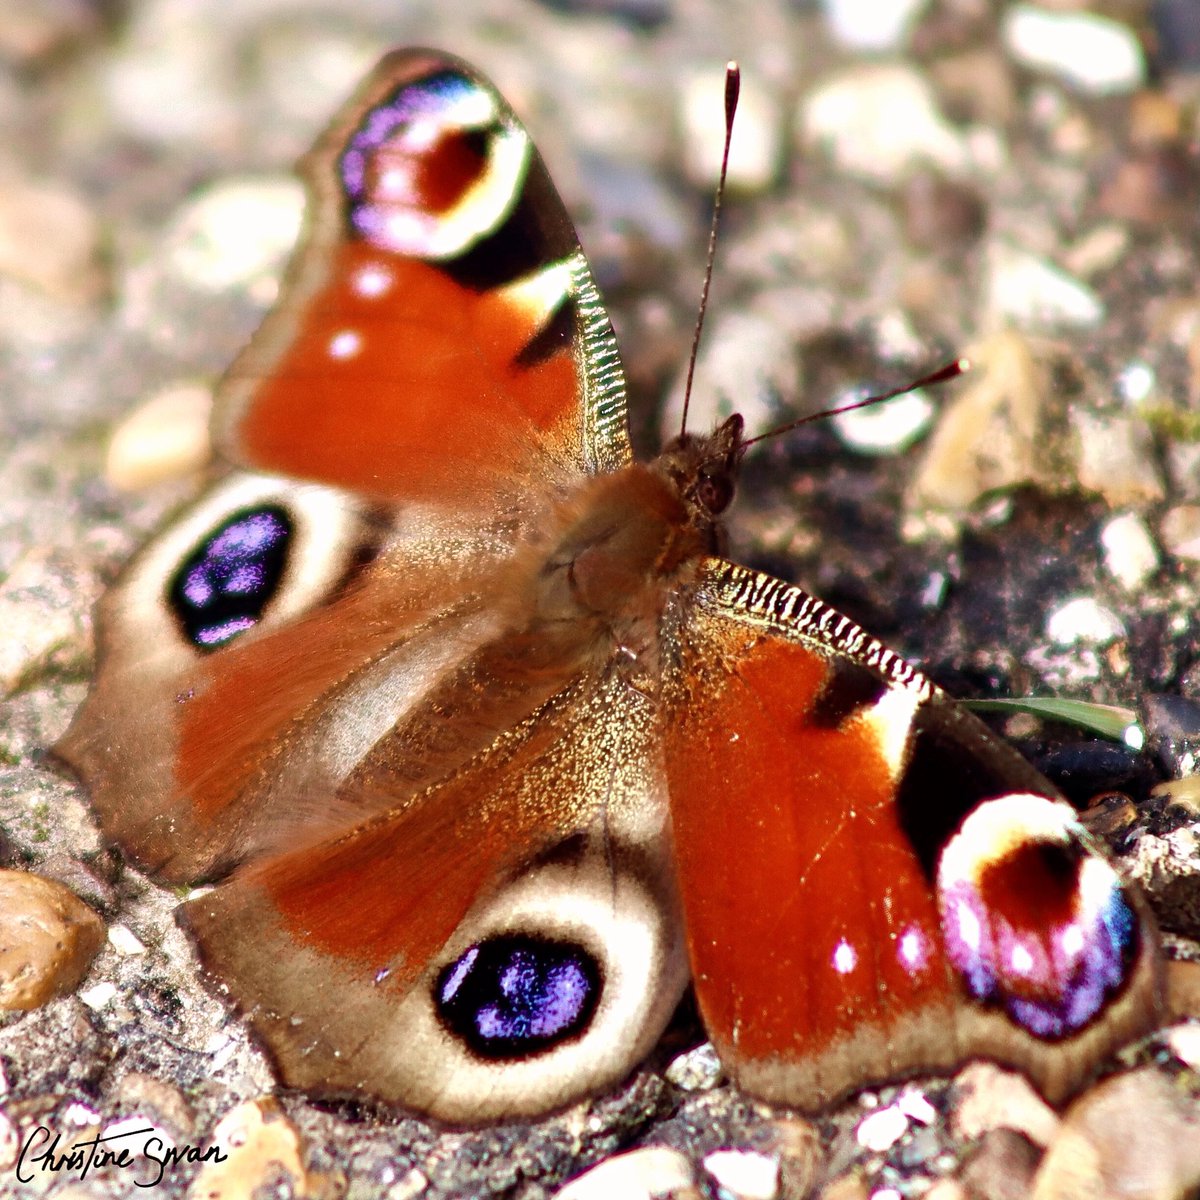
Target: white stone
{"x":888,"y":428}
{"x":881,"y":1130}
{"x":645,"y":1174}
{"x":235,"y":232}
{"x":745,"y":1174}
{"x":877,"y":120}
{"x":1184,"y":1043}
{"x":1094,"y":53}
{"x":1137,"y":382}
{"x":1026,"y":290}
{"x":696,"y":1070}
{"x":173,"y":75}
{"x":1116,"y":457}
{"x":872,"y":25}
{"x":916,"y":1105}
{"x":756,"y":151}
{"x":1083,"y":619}
{"x":1130,"y":554}
{"x":100,"y":996}
{"x":124,"y":941}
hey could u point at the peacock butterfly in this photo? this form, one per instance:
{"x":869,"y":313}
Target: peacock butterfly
{"x":488,"y":752}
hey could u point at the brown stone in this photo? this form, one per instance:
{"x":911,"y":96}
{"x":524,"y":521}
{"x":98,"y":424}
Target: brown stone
{"x":1133,"y":1137}
{"x":48,"y":938}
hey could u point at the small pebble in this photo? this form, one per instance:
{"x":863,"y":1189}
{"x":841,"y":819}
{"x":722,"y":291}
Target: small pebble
{"x":1091,"y":1155}
{"x":846,"y":1187}
{"x":1151,"y":185}
{"x":876,"y":121}
{"x":883,"y":429}
{"x":1100,"y":249}
{"x":100,"y":996}
{"x":696,"y":1070}
{"x":990,"y":436}
{"x":987,"y":1097}
{"x":800,"y":1149}
{"x":1159,"y":862}
{"x":1026,"y":289}
{"x":124,"y":941}
{"x":1180,"y":531}
{"x":1136,"y":382}
{"x":172,"y":77}
{"x":258,"y":1142}
{"x":1184,"y":1042}
{"x":882,"y":1129}
{"x":1093,"y":53}
{"x":756,"y":152}
{"x":744,"y":1174}
{"x":48,"y":938}
{"x":40,"y":614}
{"x":1000,"y":1166}
{"x":1116,"y":457}
{"x":868,"y":25}
{"x":164,"y":438}
{"x":645,"y":1174}
{"x":50,"y":240}
{"x":1083,"y":620}
{"x":915,"y":1104}
{"x":1130,"y":555}
{"x":236,"y":233}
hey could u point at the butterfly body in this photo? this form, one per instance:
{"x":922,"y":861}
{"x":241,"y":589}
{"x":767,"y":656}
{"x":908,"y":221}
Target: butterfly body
{"x":486,"y":748}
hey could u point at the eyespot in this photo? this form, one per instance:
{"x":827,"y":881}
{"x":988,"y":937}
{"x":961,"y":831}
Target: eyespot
{"x":225,"y":583}
{"x":1034,"y":922}
{"x":433,"y":168}
{"x":513,"y":996}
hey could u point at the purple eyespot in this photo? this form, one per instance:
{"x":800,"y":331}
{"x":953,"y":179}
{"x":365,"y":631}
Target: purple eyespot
{"x":516,"y":995}
{"x":223,"y":586}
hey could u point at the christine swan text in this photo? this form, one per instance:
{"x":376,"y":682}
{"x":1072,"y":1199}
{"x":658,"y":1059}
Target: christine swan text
{"x":148,"y":1161}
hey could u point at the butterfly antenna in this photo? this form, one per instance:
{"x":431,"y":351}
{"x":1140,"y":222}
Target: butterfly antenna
{"x":960,"y":366}
{"x":733,"y":85}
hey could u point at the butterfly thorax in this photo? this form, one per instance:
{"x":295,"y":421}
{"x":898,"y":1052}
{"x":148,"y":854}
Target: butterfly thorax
{"x":628,"y":536}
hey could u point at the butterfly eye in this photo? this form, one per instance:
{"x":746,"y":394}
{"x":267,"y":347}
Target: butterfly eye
{"x":714,"y":492}
{"x":225,"y":583}
{"x":514,"y":995}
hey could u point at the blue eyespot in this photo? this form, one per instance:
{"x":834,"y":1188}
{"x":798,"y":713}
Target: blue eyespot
{"x":223,"y":586}
{"x":516,"y":995}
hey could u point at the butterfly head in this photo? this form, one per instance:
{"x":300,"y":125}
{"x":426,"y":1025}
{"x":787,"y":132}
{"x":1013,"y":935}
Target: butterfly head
{"x":704,"y":469}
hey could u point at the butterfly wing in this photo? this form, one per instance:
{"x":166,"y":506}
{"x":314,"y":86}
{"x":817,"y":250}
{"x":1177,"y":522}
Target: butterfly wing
{"x":437,"y":371}
{"x":872,"y":884}
{"x":440,"y":334}
{"x":505,"y":943}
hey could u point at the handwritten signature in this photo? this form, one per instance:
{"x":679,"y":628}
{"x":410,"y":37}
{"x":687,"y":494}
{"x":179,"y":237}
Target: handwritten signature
{"x":40,"y":1152}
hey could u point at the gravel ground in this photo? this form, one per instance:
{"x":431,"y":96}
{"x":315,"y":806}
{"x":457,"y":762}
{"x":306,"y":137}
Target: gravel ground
{"x":1011,"y":181}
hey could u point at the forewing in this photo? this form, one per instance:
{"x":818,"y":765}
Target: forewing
{"x":439,"y":336}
